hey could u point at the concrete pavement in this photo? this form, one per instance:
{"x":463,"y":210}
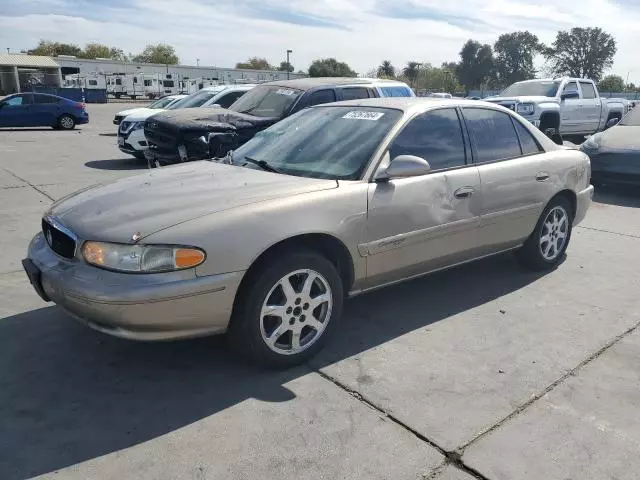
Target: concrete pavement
{"x":485,"y":371}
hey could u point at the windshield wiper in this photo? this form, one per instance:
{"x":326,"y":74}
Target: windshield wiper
{"x":262,"y":164}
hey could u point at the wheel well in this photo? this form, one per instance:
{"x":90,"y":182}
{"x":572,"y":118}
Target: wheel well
{"x":614,"y":115}
{"x":571,"y":197}
{"x":549,"y":120}
{"x":326,"y":245}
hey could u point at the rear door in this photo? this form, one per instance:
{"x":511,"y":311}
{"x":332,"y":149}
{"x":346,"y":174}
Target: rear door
{"x":513,"y":177}
{"x":422,"y":223}
{"x":591,"y":108}
{"x":45,"y":109}
{"x":15,"y":111}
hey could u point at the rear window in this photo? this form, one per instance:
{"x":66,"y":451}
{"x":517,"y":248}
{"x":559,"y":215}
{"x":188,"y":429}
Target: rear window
{"x":397,"y":91}
{"x":355,"y":93}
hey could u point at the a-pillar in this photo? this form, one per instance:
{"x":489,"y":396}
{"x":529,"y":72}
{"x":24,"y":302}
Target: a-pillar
{"x":16,"y":79}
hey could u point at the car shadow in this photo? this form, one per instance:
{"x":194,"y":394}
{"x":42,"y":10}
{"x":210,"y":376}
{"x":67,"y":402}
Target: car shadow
{"x":619,"y":195}
{"x":109,"y":134}
{"x":118,"y":164}
{"x":70,"y":394}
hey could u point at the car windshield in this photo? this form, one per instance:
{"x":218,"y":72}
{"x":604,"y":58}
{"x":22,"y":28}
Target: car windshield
{"x":193,"y":100}
{"x":161,"y":103}
{"x":266,"y":101}
{"x":321,"y":142}
{"x":543,"y":88}
{"x":631,"y":119}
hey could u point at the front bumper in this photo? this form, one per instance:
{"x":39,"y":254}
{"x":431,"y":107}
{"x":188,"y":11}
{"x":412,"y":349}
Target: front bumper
{"x":583,"y":202}
{"x":132,"y":142}
{"x":156,"y":306}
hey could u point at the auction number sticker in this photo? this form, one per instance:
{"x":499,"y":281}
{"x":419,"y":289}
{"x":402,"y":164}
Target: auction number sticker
{"x":285,"y":91}
{"x":359,"y":115}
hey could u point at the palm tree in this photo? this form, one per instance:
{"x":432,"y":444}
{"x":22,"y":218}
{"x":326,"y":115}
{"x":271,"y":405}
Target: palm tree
{"x":386,"y":70}
{"x":411,"y":72}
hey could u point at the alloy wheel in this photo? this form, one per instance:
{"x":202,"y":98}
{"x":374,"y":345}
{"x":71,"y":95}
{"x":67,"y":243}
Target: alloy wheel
{"x":554,"y":233}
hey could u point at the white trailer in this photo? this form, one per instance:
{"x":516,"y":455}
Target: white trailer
{"x":151,"y":85}
{"x":88,"y":82}
{"x":116,"y":85}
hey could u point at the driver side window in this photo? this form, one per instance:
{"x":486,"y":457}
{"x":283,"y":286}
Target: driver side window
{"x":570,"y":87}
{"x":435,"y":136}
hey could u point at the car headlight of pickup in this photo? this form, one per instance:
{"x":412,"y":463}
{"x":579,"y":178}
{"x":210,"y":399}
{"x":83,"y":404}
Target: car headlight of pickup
{"x":526,"y":108}
{"x":141,"y":258}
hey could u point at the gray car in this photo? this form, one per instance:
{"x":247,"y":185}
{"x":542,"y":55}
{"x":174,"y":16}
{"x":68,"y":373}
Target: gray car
{"x":331,"y":202}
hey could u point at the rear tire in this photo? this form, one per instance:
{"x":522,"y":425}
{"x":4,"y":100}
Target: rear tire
{"x":287,"y":309}
{"x":66,"y":122}
{"x":546,"y":246}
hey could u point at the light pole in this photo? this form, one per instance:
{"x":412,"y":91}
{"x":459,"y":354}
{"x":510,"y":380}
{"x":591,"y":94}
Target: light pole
{"x":197,"y":62}
{"x":288,"y":64}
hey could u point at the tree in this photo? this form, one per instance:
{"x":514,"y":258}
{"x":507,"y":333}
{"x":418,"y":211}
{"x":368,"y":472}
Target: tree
{"x":256,"y":63}
{"x":160,"y":53}
{"x":411,"y":71}
{"x":631,"y":87}
{"x":96,"y":50}
{"x":476,"y":64}
{"x":118,"y":54}
{"x":53,"y":49}
{"x":514,"y":54}
{"x":386,"y":70}
{"x":330,"y":67}
{"x":611,"y":83}
{"x":582,"y":52}
{"x":285,"y":67}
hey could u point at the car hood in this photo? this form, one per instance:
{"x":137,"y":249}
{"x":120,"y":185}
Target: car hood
{"x":142,"y":114}
{"x":620,"y":138}
{"x":131,"y":111}
{"x":210,"y":119}
{"x":168,"y":196}
{"x":525,"y":99}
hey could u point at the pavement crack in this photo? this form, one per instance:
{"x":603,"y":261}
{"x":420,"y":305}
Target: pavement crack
{"x":42,"y":192}
{"x":552,"y":385}
{"x":453,"y":458}
{"x":608,"y":231}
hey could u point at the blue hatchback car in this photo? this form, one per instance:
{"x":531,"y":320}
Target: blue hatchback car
{"x":41,"y":110}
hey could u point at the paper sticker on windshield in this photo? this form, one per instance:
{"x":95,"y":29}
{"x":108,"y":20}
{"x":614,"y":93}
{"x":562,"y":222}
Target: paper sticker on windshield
{"x":285,"y":91}
{"x":359,"y":115}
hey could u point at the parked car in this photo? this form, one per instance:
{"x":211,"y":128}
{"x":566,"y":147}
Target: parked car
{"x":570,"y":107}
{"x":615,"y":153}
{"x":331,"y":202}
{"x":41,"y":110}
{"x":440,"y":95}
{"x":131,"y":137}
{"x":180,"y":135}
{"x":160,"y":104}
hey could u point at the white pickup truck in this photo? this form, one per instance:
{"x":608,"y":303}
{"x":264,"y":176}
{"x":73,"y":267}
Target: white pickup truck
{"x":571,"y":107}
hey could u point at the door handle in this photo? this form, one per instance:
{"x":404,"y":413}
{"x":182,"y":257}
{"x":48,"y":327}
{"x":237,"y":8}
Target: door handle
{"x":463,"y":192}
{"x":542,"y":176}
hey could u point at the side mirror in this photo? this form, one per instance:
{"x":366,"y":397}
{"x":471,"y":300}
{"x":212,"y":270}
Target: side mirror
{"x":612,"y":123}
{"x":220,"y":143}
{"x":404,"y":166}
{"x":570,"y":94}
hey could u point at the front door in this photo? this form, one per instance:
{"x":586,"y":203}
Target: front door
{"x":571,"y":111}
{"x":422,"y":223}
{"x":14,"y":111}
{"x":45,"y":110}
{"x":515,"y":177}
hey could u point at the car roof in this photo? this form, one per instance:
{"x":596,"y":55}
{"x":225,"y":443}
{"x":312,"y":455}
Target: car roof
{"x":314,"y":82}
{"x":220,"y":88}
{"x":407,"y":104}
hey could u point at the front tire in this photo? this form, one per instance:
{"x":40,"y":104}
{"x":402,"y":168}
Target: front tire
{"x":66,"y":122}
{"x":545,"y":247}
{"x":287,"y":309}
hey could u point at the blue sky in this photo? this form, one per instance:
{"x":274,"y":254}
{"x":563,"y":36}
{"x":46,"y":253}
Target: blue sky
{"x":360,"y":32}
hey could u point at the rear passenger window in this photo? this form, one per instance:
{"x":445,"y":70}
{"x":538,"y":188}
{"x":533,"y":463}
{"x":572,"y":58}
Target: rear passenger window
{"x":322,"y":96}
{"x":435,"y":136}
{"x":395,"y":91}
{"x":528,"y":144}
{"x":492,"y":133}
{"x":354,"y":93}
{"x":587,"y":90}
{"x":39,"y":98}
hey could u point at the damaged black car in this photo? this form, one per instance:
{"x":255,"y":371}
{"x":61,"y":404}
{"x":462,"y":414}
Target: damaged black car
{"x":199,"y":133}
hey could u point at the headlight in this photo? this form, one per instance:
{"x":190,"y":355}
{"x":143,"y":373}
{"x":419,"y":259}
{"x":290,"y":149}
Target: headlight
{"x":592,"y":143}
{"x":141,"y":258}
{"x":137,"y":126}
{"x":526,"y":108}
